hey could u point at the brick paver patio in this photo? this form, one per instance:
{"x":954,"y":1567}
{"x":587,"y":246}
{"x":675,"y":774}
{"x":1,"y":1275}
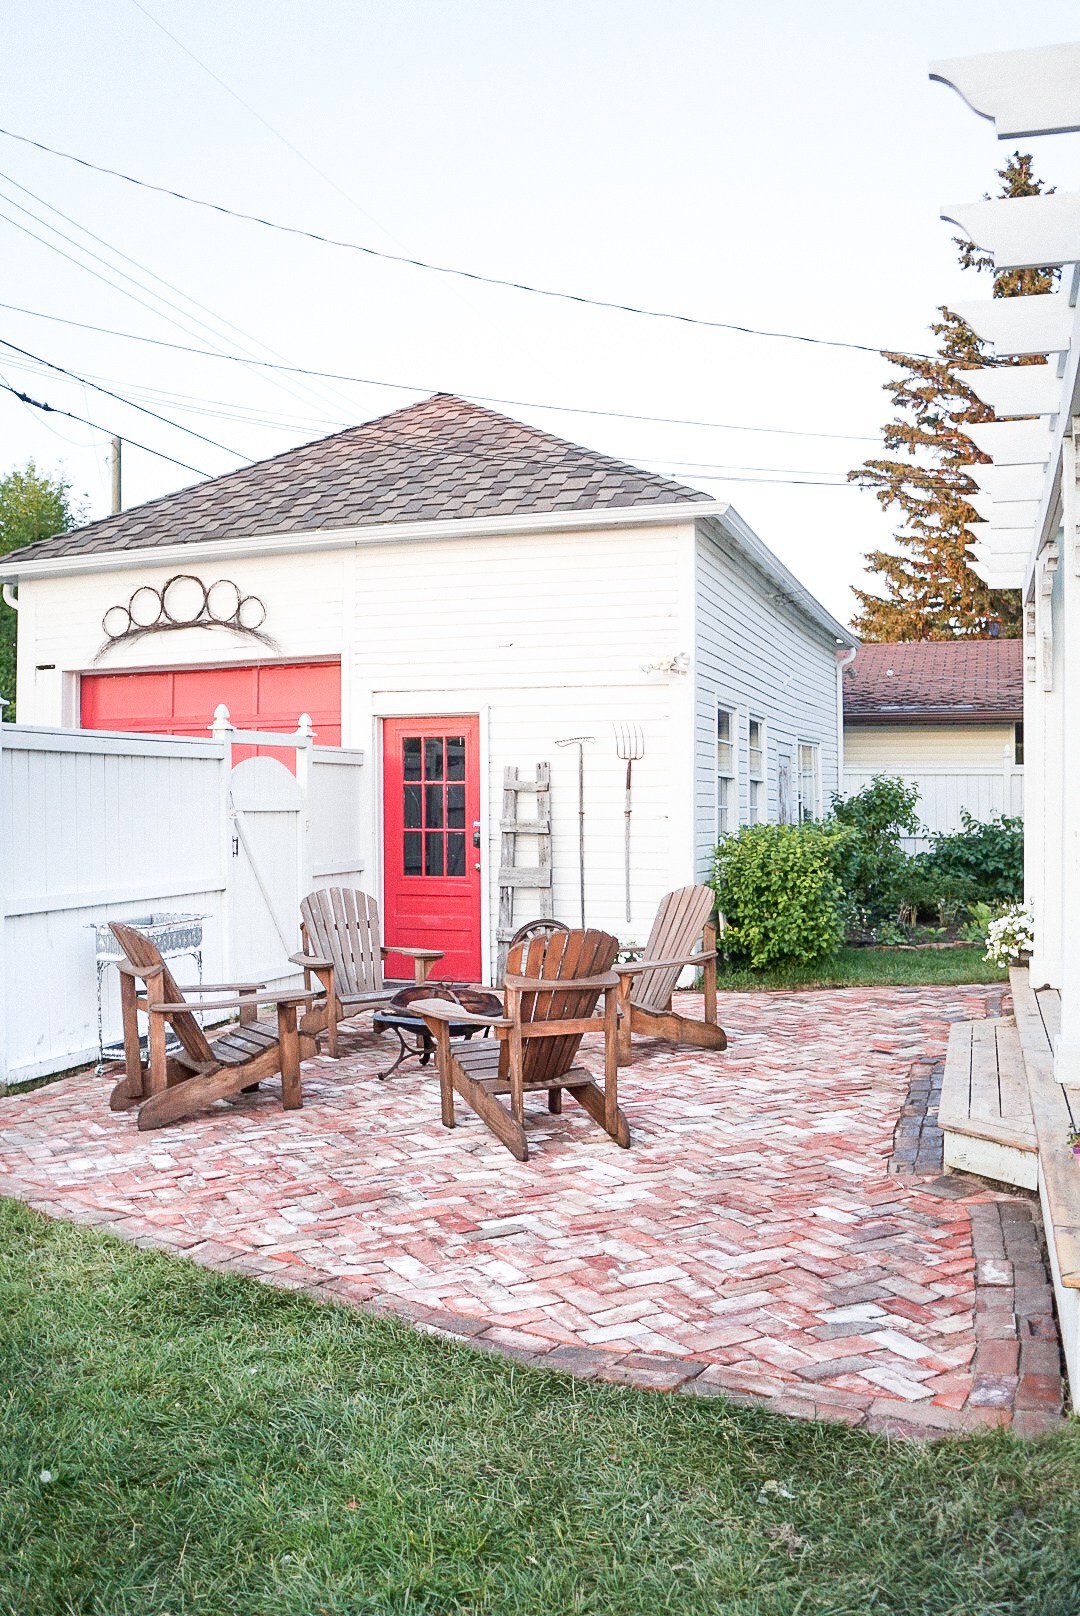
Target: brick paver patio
{"x":752,"y":1243}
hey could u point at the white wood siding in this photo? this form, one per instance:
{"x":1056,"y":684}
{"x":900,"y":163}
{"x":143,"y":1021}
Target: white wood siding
{"x":545,"y":639}
{"x":759,"y":655}
{"x":886,"y":746}
{"x":544,"y":636}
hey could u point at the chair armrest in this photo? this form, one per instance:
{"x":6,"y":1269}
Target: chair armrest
{"x":553,"y":984}
{"x":141,"y":972}
{"x":311,"y":962}
{"x":234,"y":1004}
{"x":664,"y":964}
{"x":443,"y":1010}
{"x":220,"y":987}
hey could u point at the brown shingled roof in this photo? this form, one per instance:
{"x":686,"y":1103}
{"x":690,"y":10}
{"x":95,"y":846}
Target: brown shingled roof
{"x":935,"y":681}
{"x":440,"y":458}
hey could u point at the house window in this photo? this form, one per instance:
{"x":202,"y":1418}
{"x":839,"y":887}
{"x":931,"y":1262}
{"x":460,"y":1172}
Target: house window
{"x":727,"y":815}
{"x":755,"y":771}
{"x":1018,"y":745}
{"x":809,"y":781}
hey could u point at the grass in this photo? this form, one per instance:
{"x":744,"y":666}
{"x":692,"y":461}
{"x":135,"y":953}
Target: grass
{"x":218,"y":1446}
{"x":875,"y":968}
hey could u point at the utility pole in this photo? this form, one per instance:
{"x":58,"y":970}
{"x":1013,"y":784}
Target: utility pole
{"x":114,"y":467}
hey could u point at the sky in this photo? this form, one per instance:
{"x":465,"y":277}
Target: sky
{"x":780,"y":166}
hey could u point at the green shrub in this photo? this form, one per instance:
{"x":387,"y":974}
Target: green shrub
{"x":929,"y":889}
{"x":876,"y":870}
{"x":779,"y":889}
{"x":987,"y":855}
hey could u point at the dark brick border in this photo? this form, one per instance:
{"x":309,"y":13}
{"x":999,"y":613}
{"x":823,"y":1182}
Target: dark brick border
{"x":1017,"y":1367}
{"x":918,"y":1143}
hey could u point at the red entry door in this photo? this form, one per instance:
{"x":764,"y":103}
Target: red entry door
{"x":431,"y":828}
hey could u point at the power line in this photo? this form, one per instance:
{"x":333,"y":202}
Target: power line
{"x":410,"y":387}
{"x":445,"y":269}
{"x":305,"y":392}
{"x":54,"y":409}
{"x":285,"y":141}
{"x":142,"y":409}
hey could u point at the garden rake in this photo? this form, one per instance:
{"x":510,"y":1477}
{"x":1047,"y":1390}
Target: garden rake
{"x":581,"y":742}
{"x":630,"y":745}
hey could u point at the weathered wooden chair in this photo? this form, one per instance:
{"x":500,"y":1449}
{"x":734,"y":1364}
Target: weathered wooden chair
{"x":551,"y":990}
{"x":202,"y":1070}
{"x":343,"y":949}
{"x":646,"y":985}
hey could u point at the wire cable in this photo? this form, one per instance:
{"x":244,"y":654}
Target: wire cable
{"x":285,"y":141}
{"x":142,"y":409}
{"x":445,"y":269}
{"x":305,"y":394}
{"x":410,"y":387}
{"x":54,"y":409}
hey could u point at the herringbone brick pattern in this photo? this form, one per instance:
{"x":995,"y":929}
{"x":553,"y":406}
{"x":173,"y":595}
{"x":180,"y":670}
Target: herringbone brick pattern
{"x":752,"y":1242}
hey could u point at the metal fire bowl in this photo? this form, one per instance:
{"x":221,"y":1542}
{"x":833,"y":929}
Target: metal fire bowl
{"x":477,"y":1000}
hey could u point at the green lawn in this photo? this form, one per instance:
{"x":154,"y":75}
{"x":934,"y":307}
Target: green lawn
{"x":876,"y":968}
{"x":217,"y":1447}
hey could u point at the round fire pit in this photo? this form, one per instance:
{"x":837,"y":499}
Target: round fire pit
{"x":412,"y":1031}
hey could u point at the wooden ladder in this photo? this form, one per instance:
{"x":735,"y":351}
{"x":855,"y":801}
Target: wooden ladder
{"x":512,"y":875}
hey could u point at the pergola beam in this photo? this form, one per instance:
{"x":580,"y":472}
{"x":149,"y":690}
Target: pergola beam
{"x":1025,"y":92}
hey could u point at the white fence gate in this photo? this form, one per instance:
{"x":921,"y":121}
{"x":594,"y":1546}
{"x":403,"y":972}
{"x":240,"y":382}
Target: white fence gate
{"x":97,"y":826}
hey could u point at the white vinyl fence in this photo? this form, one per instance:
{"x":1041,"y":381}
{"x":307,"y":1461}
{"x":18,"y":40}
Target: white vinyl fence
{"x":97,"y":826}
{"x":985,"y":790}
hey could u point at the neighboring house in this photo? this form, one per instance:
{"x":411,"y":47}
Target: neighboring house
{"x":454,"y":592}
{"x":946,"y":715}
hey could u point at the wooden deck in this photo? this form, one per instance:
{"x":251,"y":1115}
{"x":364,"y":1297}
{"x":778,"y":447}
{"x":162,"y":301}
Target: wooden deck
{"x":1005,"y":1116}
{"x":985,"y":1114}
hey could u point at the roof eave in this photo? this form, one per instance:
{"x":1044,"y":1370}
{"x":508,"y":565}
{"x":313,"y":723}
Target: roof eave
{"x":936,"y":715}
{"x":357,"y":536}
{"x":761,"y":557}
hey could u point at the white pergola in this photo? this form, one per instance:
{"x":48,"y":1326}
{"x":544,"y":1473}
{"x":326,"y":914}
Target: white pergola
{"x":1028,"y":538}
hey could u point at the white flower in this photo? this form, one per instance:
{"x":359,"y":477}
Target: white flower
{"x":1010,"y":935}
{"x":46,"y":1476}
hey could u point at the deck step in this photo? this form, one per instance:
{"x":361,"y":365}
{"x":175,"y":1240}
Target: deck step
{"x":985,"y":1111}
{"x":1056,"y":1110}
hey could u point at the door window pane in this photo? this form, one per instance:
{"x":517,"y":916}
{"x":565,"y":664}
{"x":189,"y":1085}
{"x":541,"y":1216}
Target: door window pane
{"x":455,"y":853}
{"x":433,"y":807}
{"x":455,"y":757}
{"x":412,"y":806}
{"x":433,"y":757}
{"x":433,"y":853}
{"x":412,"y":852}
{"x":455,"y":807}
{"x":411,"y":753}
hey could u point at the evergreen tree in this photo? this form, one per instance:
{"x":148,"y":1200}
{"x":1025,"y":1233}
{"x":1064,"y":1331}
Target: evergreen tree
{"x":33,"y":506}
{"x":931,"y":591}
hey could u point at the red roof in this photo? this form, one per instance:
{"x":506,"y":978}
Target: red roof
{"x":936,"y":681}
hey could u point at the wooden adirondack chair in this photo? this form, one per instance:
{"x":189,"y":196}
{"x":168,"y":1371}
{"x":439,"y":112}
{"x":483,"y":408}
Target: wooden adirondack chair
{"x":204,"y":1069}
{"x":551,"y":989}
{"x":343,"y":949}
{"x":646,"y":986}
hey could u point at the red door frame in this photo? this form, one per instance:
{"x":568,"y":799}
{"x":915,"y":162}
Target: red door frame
{"x":421,"y":910}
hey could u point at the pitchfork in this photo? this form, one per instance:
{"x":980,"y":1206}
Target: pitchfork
{"x":630,"y":745}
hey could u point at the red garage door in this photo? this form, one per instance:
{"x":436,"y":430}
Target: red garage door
{"x":182,"y":703}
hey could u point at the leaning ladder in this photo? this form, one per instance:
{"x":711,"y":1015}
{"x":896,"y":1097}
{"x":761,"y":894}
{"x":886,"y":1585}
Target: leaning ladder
{"x":513,"y":875}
